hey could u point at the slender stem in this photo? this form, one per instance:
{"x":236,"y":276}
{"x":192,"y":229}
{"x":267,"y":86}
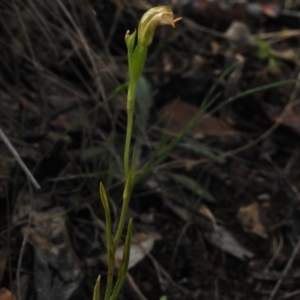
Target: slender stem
{"x":130,"y":110}
{"x":126,"y":195}
{"x":125,"y":262}
{"x":110,"y":274}
{"x":108,"y":234}
{"x":136,"y":59}
{"x":126,"y":198}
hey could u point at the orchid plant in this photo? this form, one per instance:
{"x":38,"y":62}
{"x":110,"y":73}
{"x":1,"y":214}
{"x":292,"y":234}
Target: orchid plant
{"x":137,"y":46}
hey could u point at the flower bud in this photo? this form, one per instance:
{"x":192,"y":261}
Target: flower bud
{"x":160,"y":15}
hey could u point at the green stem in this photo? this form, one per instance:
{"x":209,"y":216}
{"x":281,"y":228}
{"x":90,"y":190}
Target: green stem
{"x":110,"y":275}
{"x":130,"y":111}
{"x":126,"y":195}
{"x":126,"y":198}
{"x":108,"y":234}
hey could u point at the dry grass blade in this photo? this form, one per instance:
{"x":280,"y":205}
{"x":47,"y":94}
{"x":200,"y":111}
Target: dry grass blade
{"x":19,"y":159}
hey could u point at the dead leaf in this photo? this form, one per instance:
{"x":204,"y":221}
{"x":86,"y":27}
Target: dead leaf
{"x":290,"y":117}
{"x":271,"y":9}
{"x":57,"y":268}
{"x":5,"y":294}
{"x":289,"y":54}
{"x":239,"y":33}
{"x":175,"y":116}
{"x":233,"y":81}
{"x":223,"y":239}
{"x":141,"y":245}
{"x":214,"y":234}
{"x":249,"y":217}
{"x":180,"y":211}
{"x":205,"y":211}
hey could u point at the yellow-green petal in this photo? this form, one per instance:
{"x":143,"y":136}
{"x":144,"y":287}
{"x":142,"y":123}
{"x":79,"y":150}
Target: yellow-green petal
{"x":160,"y":15}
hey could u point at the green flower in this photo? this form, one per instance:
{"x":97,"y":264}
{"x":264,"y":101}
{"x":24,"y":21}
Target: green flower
{"x":160,"y":15}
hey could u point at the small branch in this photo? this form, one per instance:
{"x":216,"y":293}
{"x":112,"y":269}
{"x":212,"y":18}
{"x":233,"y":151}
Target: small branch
{"x":286,"y":270}
{"x":19,"y":159}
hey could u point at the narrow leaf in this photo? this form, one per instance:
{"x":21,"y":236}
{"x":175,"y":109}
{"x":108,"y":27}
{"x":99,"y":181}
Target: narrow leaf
{"x":130,"y":180}
{"x":126,"y":255}
{"x":137,"y":63}
{"x":193,"y":186}
{"x":202,"y":149}
{"x":105,"y":204}
{"x":96,"y":295}
{"x":124,"y":265}
{"x":144,"y":101}
{"x":130,"y":42}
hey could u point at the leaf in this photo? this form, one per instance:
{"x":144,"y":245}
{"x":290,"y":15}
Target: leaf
{"x":289,"y":117}
{"x":137,"y":63}
{"x":96,"y":295}
{"x":104,"y":199}
{"x":57,"y":268}
{"x":215,"y":234}
{"x":108,"y":232}
{"x":239,"y":34}
{"x":126,"y":251}
{"x":144,"y":102}
{"x":264,"y":49}
{"x":223,"y":239}
{"x":5,"y":294}
{"x":130,"y":179}
{"x":249,"y":217}
{"x":177,"y":115}
{"x":130,"y":43}
{"x":200,"y":148}
{"x":141,"y":245}
{"x":193,"y":186}
{"x":124,"y":264}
